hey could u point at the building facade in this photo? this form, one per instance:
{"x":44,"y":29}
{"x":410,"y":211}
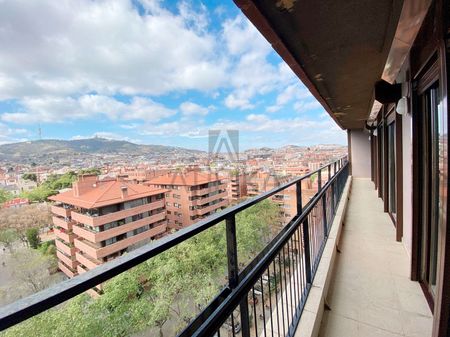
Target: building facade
{"x":236,"y":186}
{"x":191,"y":196}
{"x":97,"y":221}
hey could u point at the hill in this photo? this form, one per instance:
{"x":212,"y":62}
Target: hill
{"x":48,"y":148}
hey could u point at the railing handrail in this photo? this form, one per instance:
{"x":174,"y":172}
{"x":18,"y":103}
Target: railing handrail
{"x":34,"y":304}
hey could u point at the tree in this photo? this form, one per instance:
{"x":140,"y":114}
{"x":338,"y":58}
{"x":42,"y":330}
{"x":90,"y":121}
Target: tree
{"x":5,"y":195}
{"x":33,"y":239}
{"x":8,"y":237}
{"x":171,"y":287}
{"x":29,"y":216}
{"x":30,"y":176}
{"x":32,"y":269}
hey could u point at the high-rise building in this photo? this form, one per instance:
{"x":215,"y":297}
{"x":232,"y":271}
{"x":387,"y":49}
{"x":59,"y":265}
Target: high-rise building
{"x":97,"y":221}
{"x":191,"y":196}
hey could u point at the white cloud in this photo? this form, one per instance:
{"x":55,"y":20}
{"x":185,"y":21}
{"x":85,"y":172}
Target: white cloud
{"x":238,"y":100}
{"x":192,"y":109}
{"x":302,"y":106}
{"x":56,"y":109}
{"x":294,"y":92}
{"x":295,"y":130}
{"x":12,"y":135}
{"x":67,"y":47}
{"x":60,"y":53}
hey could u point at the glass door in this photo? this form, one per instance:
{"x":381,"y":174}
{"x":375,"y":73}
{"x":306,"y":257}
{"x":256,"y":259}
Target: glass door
{"x":433,"y":188}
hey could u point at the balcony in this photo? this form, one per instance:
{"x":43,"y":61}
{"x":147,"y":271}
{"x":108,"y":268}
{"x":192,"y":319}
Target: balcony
{"x":104,"y":219}
{"x":359,"y":268}
{"x":208,"y":190}
{"x":66,"y":236}
{"x":110,"y":233}
{"x":206,"y":200}
{"x":61,"y":211}
{"x":71,"y":262}
{"x":67,"y":225}
{"x":97,"y":251}
{"x":70,"y":273}
{"x":65,"y":247}
{"x":207,"y":209}
{"x":371,"y":293}
{"x":87,"y":261}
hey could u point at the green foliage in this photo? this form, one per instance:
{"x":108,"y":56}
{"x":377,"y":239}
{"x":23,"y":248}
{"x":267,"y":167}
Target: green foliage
{"x":5,"y":195}
{"x":54,"y":183}
{"x":47,"y":248}
{"x":173,"y":286}
{"x":92,"y":170}
{"x":33,"y":239}
{"x":8,"y":236}
{"x":30,"y":176}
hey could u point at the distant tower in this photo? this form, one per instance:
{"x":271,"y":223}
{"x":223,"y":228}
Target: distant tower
{"x":40,"y":132}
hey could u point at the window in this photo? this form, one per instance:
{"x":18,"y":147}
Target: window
{"x":430,"y":194}
{"x":110,"y":241}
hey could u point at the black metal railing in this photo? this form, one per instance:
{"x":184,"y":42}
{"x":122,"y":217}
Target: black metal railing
{"x":265,"y":298}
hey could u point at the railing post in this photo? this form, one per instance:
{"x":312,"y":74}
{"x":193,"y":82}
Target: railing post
{"x":308,"y":271}
{"x":333,"y":206}
{"x":334,"y":164}
{"x":324,"y":208}
{"x":298,"y":193}
{"x":233,"y":268}
{"x":305,"y":233}
{"x":329,"y":172}
{"x":233,"y":271}
{"x":319,"y":180}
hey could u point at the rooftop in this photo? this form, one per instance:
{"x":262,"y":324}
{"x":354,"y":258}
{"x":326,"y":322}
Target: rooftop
{"x":95,"y":193}
{"x":185,"y":179}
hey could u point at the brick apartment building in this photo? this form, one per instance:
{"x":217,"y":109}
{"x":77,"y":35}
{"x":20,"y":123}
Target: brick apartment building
{"x":236,"y":186}
{"x":97,"y":221}
{"x":191,"y":197}
{"x":260,"y":182}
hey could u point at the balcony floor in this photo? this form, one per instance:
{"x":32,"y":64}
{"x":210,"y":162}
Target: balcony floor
{"x":370,"y":293}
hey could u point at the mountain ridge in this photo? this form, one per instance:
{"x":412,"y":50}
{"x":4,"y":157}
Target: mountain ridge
{"x":89,"y":146}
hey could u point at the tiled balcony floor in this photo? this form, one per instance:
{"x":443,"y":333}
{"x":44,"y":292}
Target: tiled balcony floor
{"x":371,"y":294}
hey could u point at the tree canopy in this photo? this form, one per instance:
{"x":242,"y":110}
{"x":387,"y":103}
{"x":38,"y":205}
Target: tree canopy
{"x":5,"y":195}
{"x":171,"y":287}
{"x":54,"y":183}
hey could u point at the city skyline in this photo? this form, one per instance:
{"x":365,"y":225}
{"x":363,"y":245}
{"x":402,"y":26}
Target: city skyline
{"x":113,"y":70}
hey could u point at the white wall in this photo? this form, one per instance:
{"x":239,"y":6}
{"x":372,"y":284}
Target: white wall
{"x":407,"y":181}
{"x":360,"y":153}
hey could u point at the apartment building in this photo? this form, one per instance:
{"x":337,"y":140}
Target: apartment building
{"x":98,"y":220}
{"x":139,"y":175}
{"x":236,"y":186}
{"x":191,"y":196}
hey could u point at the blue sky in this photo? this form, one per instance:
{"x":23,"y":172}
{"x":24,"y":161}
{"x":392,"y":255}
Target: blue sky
{"x":149,"y":71}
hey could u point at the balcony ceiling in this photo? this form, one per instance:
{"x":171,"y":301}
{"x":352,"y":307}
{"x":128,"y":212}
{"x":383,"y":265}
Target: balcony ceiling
{"x":338,"y":48}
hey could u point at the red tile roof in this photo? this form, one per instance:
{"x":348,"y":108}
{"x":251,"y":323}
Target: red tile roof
{"x":105,"y":193}
{"x":15,"y":202}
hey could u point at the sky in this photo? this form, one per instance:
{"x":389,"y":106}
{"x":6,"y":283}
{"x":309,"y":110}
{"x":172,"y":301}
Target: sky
{"x":150,"y":72}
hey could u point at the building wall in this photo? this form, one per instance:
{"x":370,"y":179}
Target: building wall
{"x":360,"y":153}
{"x":407,"y":181}
{"x":74,"y":240}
